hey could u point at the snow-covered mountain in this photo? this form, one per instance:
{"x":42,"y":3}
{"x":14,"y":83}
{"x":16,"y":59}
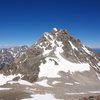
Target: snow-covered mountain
{"x":54,"y":53}
{"x":7,"y":55}
{"x":57,"y":65}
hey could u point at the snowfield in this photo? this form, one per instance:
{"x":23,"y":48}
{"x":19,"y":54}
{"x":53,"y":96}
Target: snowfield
{"x":88,"y":92}
{"x":42,"y":97}
{"x":49,"y":69}
{"x":8,"y":79}
{"x":5,"y":88}
{"x":4,"y":79}
{"x":43,"y":83}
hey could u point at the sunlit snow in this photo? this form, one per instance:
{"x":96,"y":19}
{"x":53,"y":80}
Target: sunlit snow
{"x":77,"y":93}
{"x":55,"y":29}
{"x":42,"y":97}
{"x":22,"y":82}
{"x":99,"y":63}
{"x":86,"y":50}
{"x":73,"y":47}
{"x":49,"y":69}
{"x":69,"y":83}
{"x":4,"y":79}
{"x":5,"y":88}
{"x":55,"y":82}
{"x":43,"y":83}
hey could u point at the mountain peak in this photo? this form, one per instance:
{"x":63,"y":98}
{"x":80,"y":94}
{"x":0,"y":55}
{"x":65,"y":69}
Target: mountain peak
{"x":54,"y":29}
{"x":57,"y":49}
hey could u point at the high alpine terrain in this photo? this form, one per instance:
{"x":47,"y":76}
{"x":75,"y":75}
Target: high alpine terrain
{"x":56,"y":67}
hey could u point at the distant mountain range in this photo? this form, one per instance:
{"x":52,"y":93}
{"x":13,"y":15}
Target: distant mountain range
{"x":7,"y":55}
{"x":96,"y":49}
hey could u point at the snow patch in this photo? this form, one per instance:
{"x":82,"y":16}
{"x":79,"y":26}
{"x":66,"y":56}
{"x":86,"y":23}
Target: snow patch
{"x":13,"y":82}
{"x":59,"y":48}
{"x":86,"y":50}
{"x":77,"y":93}
{"x":94,"y":92}
{"x":69,"y":83}
{"x":8,"y":79}
{"x":4,"y":79}
{"x":5,"y":88}
{"x":99,"y":63}
{"x":96,"y":59}
{"x":73,"y":47}
{"x":42,"y":97}
{"x":49,"y":69}
{"x":55,"y":29}
{"x":22,"y":82}
{"x":46,"y":52}
{"x":55,"y":82}
{"x":43,"y":83}
{"x":76,"y":82}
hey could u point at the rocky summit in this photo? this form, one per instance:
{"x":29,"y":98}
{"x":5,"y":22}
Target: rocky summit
{"x":57,"y":65}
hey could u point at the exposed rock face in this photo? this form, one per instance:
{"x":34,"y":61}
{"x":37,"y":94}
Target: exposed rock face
{"x":50,"y":48}
{"x":8,"y":55}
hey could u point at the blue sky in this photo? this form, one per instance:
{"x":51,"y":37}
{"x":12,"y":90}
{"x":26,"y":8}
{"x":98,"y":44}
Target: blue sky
{"x":24,"y":21}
